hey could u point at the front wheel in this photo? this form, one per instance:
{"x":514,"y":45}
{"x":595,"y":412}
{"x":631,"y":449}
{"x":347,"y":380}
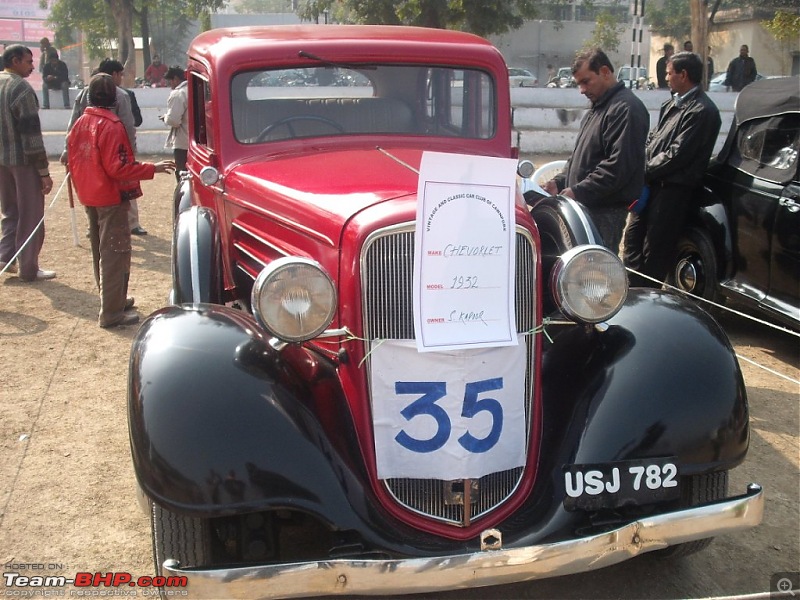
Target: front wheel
{"x":184,"y":539}
{"x":695,"y":490}
{"x":695,"y":267}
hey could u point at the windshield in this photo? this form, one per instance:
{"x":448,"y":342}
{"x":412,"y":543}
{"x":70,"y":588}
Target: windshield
{"x":420,"y":100}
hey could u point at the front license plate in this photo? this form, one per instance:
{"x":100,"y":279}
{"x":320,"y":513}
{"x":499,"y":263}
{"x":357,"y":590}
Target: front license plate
{"x":610,"y":485}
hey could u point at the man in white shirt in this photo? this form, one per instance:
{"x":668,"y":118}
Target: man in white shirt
{"x":177,"y":118}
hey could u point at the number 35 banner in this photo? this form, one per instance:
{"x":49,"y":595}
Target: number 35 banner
{"x":447,"y":415}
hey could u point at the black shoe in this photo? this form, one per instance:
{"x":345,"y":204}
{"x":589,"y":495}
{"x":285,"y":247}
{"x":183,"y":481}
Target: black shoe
{"x":129,"y":302}
{"x":127,"y":319}
{"x":139,"y":231}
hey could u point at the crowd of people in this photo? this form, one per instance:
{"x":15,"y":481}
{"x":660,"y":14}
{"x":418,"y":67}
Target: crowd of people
{"x":634,"y":184}
{"x":100,"y":156}
{"x":741,"y":70}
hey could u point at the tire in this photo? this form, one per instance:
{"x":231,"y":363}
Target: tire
{"x":695,"y":267}
{"x":697,"y":489}
{"x":184,"y":539}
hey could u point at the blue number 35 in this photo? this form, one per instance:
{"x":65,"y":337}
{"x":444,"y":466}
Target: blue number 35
{"x":431,"y":391}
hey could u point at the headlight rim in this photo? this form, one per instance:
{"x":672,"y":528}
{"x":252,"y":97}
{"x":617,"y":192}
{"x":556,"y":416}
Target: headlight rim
{"x":263,"y":279}
{"x":559,"y":270}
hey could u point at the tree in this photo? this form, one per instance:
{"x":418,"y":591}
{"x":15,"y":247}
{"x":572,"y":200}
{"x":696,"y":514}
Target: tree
{"x":482,"y":17}
{"x":606,"y":33}
{"x":103,"y":20}
{"x":784,"y":26}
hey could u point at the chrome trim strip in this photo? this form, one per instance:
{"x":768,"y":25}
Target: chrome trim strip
{"x":493,"y":567}
{"x":195,"y":258}
{"x":258,"y":238}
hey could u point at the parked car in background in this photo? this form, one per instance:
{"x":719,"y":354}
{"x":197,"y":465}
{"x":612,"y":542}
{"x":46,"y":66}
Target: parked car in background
{"x":637,"y":74}
{"x":563,"y":78}
{"x":743,"y":239}
{"x":288,"y":436}
{"x":521,"y":78}
{"x":717,"y":83}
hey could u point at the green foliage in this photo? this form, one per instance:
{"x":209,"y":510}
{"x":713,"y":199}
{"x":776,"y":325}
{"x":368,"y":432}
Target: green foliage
{"x":784,"y":26}
{"x":673,"y":19}
{"x":168,"y":21}
{"x":482,"y":17}
{"x":607,"y":32}
{"x":247,"y":7}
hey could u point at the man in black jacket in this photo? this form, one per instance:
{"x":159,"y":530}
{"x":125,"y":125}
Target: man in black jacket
{"x":55,"y":76}
{"x":678,"y":151}
{"x":606,"y":169}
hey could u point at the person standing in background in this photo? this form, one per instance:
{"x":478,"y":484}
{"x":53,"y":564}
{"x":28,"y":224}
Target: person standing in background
{"x":103,"y":168}
{"x":678,"y":152}
{"x":122,"y":108}
{"x":605,"y":172}
{"x":661,"y":66}
{"x":44,"y":47}
{"x":741,"y":70}
{"x":55,"y":76}
{"x":24,"y":172}
{"x":177,"y":118}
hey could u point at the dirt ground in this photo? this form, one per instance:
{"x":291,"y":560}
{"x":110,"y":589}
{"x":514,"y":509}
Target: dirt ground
{"x":67,"y":489}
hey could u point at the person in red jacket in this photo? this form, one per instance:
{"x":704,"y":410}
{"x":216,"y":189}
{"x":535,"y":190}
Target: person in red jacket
{"x":105,"y":175}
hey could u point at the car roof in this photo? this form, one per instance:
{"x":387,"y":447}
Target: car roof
{"x":768,"y":97}
{"x":239,"y":46}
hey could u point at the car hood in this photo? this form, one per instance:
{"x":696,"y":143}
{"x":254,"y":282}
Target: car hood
{"x":324,"y":189}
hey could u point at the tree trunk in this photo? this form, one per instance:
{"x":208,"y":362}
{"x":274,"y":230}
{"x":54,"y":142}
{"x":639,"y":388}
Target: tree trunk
{"x":126,"y":51}
{"x":144,"y":24}
{"x":699,"y":13}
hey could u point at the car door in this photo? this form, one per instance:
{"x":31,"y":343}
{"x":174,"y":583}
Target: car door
{"x":765,"y":205}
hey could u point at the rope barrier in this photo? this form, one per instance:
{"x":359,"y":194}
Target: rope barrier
{"x":736,"y":312}
{"x":38,"y":225}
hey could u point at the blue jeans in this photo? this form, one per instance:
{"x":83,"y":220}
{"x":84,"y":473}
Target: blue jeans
{"x":64,"y":95}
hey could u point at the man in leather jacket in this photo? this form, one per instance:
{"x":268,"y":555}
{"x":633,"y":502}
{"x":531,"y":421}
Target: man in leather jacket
{"x":677,"y":154}
{"x":605,"y":171}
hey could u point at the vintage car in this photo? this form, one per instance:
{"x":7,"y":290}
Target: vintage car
{"x":293,"y":435}
{"x":742,"y":242}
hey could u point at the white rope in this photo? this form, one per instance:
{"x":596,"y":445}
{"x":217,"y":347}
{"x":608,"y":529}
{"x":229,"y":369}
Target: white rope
{"x":736,"y":312}
{"x":719,"y":306}
{"x":38,"y":225}
{"x":760,"y":366}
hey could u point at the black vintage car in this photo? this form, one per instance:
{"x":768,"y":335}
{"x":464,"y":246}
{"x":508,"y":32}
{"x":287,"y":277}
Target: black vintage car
{"x":743,"y":241}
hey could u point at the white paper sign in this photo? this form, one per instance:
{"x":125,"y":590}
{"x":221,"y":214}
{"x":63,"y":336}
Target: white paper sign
{"x":464,"y":258}
{"x":447,"y":415}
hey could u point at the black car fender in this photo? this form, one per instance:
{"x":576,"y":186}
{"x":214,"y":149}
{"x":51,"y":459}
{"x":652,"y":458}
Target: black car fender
{"x":709,"y":214}
{"x":221,"y":423}
{"x":661,"y":381}
{"x":196,"y":257}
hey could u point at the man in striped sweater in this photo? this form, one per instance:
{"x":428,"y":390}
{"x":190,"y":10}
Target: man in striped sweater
{"x":24,"y":173}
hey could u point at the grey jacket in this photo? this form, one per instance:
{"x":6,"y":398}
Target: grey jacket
{"x":679,"y":148}
{"x":606,"y":169}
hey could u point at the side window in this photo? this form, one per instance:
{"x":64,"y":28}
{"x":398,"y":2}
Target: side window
{"x":773,"y":143}
{"x":460,"y":102}
{"x":201,"y":115}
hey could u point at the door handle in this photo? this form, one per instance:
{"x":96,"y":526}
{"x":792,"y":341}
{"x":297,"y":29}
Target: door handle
{"x":790,"y":204}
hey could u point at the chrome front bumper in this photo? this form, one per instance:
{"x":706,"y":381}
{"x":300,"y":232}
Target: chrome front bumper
{"x":490,"y":567}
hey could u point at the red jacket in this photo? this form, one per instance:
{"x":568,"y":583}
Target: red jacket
{"x":100,"y":158}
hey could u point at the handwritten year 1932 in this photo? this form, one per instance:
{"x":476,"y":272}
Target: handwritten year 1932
{"x":464,"y":282}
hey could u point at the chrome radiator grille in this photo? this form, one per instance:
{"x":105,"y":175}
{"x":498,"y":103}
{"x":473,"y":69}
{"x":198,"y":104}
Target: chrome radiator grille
{"x":387,"y":274}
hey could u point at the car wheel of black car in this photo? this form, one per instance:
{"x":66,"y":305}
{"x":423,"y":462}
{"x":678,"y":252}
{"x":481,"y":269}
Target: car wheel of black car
{"x":695,"y":269}
{"x":185,"y":539}
{"x":697,"y":489}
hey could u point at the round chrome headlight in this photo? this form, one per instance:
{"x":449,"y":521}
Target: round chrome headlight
{"x":294,"y":299}
{"x":589,"y":284}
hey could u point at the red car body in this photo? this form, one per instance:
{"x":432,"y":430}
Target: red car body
{"x":305,"y":149}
